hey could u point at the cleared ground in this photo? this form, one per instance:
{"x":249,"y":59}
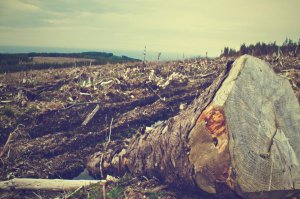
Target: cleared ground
{"x":44,"y":110}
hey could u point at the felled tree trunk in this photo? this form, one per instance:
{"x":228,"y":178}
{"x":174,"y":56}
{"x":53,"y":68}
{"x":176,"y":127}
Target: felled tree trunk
{"x":241,"y":134}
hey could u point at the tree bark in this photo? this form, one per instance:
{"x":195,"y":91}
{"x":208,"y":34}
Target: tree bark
{"x":242,"y":134}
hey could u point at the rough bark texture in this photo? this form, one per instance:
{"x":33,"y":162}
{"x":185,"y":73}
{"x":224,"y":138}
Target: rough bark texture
{"x":242,"y":132}
{"x":164,"y":152}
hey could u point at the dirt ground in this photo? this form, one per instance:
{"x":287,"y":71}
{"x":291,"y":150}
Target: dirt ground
{"x":42,"y":112}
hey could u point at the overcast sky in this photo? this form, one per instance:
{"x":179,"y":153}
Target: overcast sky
{"x":191,"y":26}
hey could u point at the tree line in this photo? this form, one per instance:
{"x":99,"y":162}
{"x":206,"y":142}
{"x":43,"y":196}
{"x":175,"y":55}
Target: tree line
{"x":24,"y":61}
{"x":288,"y":47}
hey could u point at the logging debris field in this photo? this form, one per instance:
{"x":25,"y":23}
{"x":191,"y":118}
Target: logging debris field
{"x":55,"y":123}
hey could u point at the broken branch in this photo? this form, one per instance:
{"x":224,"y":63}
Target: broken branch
{"x":46,"y":184}
{"x":90,"y":116}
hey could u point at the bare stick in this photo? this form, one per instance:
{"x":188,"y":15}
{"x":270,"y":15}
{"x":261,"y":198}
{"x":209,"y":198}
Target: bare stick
{"x":79,"y":104}
{"x":163,"y":99}
{"x":6,"y":101}
{"x":100,"y":166}
{"x":105,"y":149}
{"x":37,"y":195}
{"x":9,"y":139}
{"x":6,"y":146}
{"x":46,"y":184}
{"x":70,"y":195}
{"x":90,"y":116}
{"x":206,"y":75}
{"x":108,"y":141}
{"x":154,"y":190}
{"x":104,"y":191}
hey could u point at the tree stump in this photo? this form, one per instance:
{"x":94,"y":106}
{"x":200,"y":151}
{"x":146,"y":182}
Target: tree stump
{"x":242,"y":134}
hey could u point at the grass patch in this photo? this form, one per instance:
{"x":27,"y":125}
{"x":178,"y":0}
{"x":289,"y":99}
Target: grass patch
{"x":116,"y":192}
{"x":94,"y":193}
{"x":113,"y":191}
{"x":156,"y":195}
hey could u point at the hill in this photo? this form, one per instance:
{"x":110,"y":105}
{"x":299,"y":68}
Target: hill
{"x":28,"y":61}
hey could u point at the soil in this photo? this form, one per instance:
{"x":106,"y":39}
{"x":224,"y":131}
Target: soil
{"x":43,"y":110}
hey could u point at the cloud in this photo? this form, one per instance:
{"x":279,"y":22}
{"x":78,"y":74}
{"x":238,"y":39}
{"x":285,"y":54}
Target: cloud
{"x":193,"y":26}
{"x":18,"y":5}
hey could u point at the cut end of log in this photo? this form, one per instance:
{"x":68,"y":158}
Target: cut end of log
{"x":248,"y":137}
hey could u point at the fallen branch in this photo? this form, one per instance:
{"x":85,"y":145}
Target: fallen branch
{"x":46,"y":184}
{"x":162,"y":99}
{"x":73,"y":193}
{"x":6,"y":146}
{"x":37,"y":195}
{"x":153,"y":190}
{"x":90,"y":116}
{"x":9,"y":139}
{"x":6,"y":101}
{"x":79,"y":104}
{"x":105,"y":149}
{"x":205,"y":75}
{"x":108,"y":141}
{"x":104,"y":190}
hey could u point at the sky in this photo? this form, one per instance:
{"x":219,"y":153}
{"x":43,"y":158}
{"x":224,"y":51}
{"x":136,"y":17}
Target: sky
{"x":192,"y":27}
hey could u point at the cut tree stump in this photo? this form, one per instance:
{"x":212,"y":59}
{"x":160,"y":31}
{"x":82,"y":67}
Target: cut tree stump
{"x":240,"y":136}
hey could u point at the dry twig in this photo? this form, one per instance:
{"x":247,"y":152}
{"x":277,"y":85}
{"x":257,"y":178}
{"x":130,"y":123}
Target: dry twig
{"x":105,"y":149}
{"x":90,"y":116}
{"x":153,"y":190}
{"x":104,"y":191}
{"x":9,"y":140}
{"x":74,"y":192}
{"x":162,"y":99}
{"x":79,"y":104}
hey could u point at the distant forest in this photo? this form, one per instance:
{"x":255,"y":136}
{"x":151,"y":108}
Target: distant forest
{"x":25,"y":61}
{"x":288,"y":47}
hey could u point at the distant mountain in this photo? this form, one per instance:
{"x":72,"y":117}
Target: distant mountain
{"x":12,"y":62}
{"x":151,"y":54}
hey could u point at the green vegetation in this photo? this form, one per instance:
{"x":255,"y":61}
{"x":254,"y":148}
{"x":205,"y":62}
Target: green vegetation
{"x":155,"y":195}
{"x":95,"y":193}
{"x":113,"y":190}
{"x":288,"y":47}
{"x":116,"y":192}
{"x":26,"y":61}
